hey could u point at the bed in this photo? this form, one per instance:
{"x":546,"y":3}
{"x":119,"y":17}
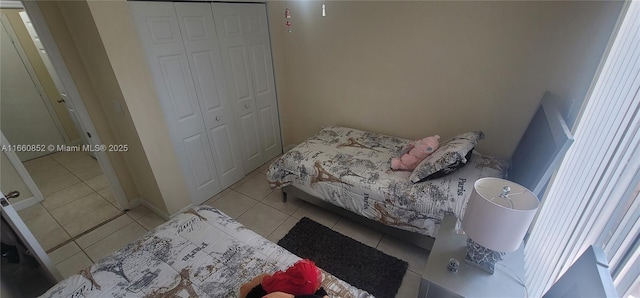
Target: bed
{"x":348,"y":171}
{"x":199,"y":253}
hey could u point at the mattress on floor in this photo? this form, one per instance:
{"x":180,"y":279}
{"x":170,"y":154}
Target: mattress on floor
{"x":351,"y":169}
{"x":199,"y":253}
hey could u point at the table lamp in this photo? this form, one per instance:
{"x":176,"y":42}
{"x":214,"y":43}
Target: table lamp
{"x":496,"y":220}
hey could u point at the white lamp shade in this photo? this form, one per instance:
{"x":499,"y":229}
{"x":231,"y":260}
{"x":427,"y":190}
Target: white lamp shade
{"x":493,"y":223}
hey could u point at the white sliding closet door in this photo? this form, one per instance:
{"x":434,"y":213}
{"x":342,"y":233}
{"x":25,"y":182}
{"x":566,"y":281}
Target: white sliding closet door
{"x":243,"y":36}
{"x":159,"y":31}
{"x":201,"y":45}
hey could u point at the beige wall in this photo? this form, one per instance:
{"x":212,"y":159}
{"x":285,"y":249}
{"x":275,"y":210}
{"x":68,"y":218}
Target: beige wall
{"x":114,"y":23}
{"x":71,"y":25}
{"x":403,"y":68}
{"x":413,"y":69}
{"x":102,"y":36}
{"x":41,"y":71}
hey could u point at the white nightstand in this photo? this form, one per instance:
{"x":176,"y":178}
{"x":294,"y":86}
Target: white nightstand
{"x":437,"y":281}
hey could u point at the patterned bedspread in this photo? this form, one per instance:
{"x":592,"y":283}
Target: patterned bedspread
{"x":351,"y":169}
{"x":200,"y":253}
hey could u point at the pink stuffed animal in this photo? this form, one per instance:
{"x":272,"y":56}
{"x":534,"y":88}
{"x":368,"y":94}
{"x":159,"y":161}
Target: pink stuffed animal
{"x":416,"y":151}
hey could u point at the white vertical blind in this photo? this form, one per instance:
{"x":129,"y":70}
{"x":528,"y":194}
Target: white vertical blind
{"x":593,"y":198}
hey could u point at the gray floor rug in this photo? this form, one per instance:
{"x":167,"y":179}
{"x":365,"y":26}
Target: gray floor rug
{"x":358,"y":264}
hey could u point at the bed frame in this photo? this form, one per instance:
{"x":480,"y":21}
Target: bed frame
{"x":537,"y":156}
{"x":419,"y":240}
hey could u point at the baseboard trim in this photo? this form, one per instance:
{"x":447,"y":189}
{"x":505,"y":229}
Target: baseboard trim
{"x":26,"y":203}
{"x":134,"y":203}
{"x":155,"y":210}
{"x":183,"y":209}
{"x":289,"y":147}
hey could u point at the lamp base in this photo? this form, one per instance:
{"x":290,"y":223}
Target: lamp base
{"x":481,"y":257}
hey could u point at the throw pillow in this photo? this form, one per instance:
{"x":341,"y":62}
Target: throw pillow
{"x":447,"y":158}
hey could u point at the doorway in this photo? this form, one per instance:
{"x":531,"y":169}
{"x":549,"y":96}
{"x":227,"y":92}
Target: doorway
{"x":76,"y":195}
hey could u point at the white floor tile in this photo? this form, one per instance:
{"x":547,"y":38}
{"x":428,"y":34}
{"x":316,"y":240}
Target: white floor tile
{"x":42,"y":224}
{"x":274,"y":199}
{"x":282,"y":229}
{"x":90,"y":220}
{"x":415,"y":256}
{"x":234,"y":203}
{"x":150,"y":221}
{"x":216,"y":197}
{"x":262,"y":219}
{"x":255,"y":187}
{"x":115,"y":241}
{"x":316,"y":213}
{"x":98,"y":182}
{"x":73,"y":264}
{"x":45,"y":175}
{"x":243,"y":180}
{"x":263,"y":169}
{"x":64,"y":157}
{"x":55,"y":183}
{"x":138,"y":212}
{"x":81,"y":207}
{"x":64,"y":252}
{"x":40,"y":163}
{"x":410,"y":285}
{"x":66,"y":196}
{"x":107,"y":193}
{"x":104,"y":231}
{"x":84,"y":169}
{"x":31,"y":212}
{"x":52,"y":238}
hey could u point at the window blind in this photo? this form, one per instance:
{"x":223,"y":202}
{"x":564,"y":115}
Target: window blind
{"x":593,"y":198}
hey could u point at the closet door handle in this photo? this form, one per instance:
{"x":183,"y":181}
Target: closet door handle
{"x":217,"y":118}
{"x":246,"y":106}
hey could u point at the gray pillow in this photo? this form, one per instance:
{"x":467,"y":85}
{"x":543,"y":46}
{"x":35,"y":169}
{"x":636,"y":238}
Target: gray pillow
{"x":447,"y":158}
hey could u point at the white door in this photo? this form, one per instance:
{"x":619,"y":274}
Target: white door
{"x":244,"y":44}
{"x":24,"y":117}
{"x":14,"y":176}
{"x":64,"y":98}
{"x":159,"y":31}
{"x":17,"y":234}
{"x":25,"y":241}
{"x":199,"y":37}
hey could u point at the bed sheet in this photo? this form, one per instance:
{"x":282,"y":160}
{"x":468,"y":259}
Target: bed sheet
{"x":351,"y":169}
{"x":199,"y":253}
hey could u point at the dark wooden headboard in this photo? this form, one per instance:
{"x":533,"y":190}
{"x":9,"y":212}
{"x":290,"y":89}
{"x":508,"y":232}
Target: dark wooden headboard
{"x":541,"y":148}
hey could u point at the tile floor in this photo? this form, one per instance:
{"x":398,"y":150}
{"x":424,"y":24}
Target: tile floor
{"x":254,"y":204}
{"x":77,"y":197}
{"x":251,"y":202}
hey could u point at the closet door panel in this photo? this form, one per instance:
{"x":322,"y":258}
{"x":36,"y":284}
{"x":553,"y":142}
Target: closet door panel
{"x":259,"y":62}
{"x":231,"y":31}
{"x":240,"y":71}
{"x":159,"y":32}
{"x":201,"y":46}
{"x":270,"y":133}
{"x":250,"y":128}
{"x":197,"y":150}
{"x":222,"y":135}
{"x":174,"y":76}
{"x":259,"y":45}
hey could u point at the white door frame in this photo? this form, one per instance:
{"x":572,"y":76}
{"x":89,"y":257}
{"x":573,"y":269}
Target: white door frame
{"x":37,"y":196}
{"x":34,"y":77}
{"x":27,"y":238}
{"x":75,"y":100}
